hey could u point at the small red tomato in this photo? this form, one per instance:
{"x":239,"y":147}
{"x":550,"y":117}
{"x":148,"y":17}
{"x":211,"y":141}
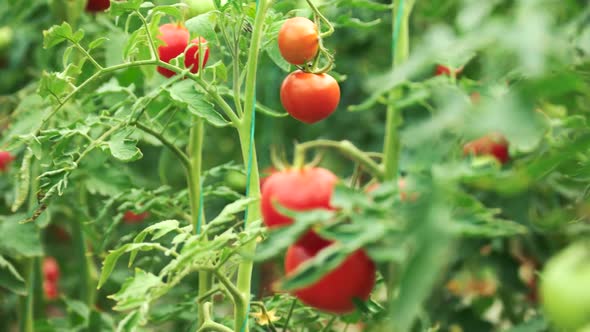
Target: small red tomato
{"x":298,"y":190}
{"x":298,"y":40}
{"x":494,"y":144}
{"x":444,"y":70}
{"x":50,"y":269}
{"x":310,"y":97}
{"x":131,"y":217}
{"x":97,"y":5}
{"x":50,"y":290}
{"x":176,"y":38}
{"x":5,"y":159}
{"x":334,"y":292}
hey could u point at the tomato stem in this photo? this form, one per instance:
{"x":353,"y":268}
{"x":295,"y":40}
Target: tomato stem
{"x":250,"y":160}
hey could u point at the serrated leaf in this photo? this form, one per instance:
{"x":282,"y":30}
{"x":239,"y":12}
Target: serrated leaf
{"x":57,"y":34}
{"x":10,"y":279}
{"x":202,"y":25}
{"x":19,"y":239}
{"x":124,"y":148}
{"x":134,"y":291}
{"x":97,"y":43}
{"x":185,"y":93}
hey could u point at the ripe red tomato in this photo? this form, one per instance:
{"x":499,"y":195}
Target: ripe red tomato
{"x":299,"y":190}
{"x":131,"y":217}
{"x":354,"y":278}
{"x":50,"y":269}
{"x":50,"y":290}
{"x":444,"y":70}
{"x":494,"y":144}
{"x":5,"y":159}
{"x":310,"y":97}
{"x":298,"y":40}
{"x":176,"y":39}
{"x":97,"y":5}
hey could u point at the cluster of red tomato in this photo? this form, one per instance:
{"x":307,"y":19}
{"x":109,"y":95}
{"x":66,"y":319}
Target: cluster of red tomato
{"x":308,"y":97}
{"x":307,"y":189}
{"x":50,"y":278}
{"x":94,"y":6}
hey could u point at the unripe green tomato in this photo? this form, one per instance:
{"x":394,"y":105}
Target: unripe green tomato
{"x":565,"y":287}
{"x":198,"y":7}
{"x":6,"y":36}
{"x":236,"y":181}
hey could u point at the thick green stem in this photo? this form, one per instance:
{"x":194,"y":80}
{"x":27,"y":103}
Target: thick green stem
{"x":392,"y":144}
{"x":26,"y":323}
{"x":250,"y":160}
{"x":87,"y":287}
{"x":401,"y":52}
{"x":195,"y":152}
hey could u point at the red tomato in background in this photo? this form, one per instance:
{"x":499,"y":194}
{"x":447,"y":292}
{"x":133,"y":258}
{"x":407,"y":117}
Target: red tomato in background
{"x":50,"y":269}
{"x":131,"y":217}
{"x":310,"y":97}
{"x":494,"y":144}
{"x":298,"y":40}
{"x":50,"y":290}
{"x":5,"y":159}
{"x":176,"y":39}
{"x":298,"y":190}
{"x":97,"y":5}
{"x":354,"y":278}
{"x":444,"y":70}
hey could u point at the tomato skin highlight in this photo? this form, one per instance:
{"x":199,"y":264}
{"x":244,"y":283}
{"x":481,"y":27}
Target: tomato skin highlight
{"x":298,"y":40}
{"x":131,"y":217}
{"x":334,"y":292}
{"x":298,"y":190}
{"x":5,"y":159}
{"x":50,"y":269}
{"x":94,"y":6}
{"x":494,"y":145}
{"x":309,"y":97}
{"x":176,"y":39}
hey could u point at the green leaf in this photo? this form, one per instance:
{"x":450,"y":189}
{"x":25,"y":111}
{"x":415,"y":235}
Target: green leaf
{"x":124,"y":148}
{"x":160,"y":229}
{"x":534,"y":324}
{"x":10,"y":279}
{"x":57,"y":34}
{"x":185,"y":93}
{"x":108,"y":265}
{"x":134,"y":291}
{"x":97,"y":43}
{"x":202,"y":25}
{"x":19,"y":239}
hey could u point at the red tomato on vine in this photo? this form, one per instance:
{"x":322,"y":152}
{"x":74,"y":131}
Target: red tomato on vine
{"x":494,"y":145}
{"x":176,"y":39}
{"x":94,"y":6}
{"x":444,"y":70}
{"x":334,"y":292}
{"x":298,"y":190}
{"x":309,"y":97}
{"x":50,"y":290}
{"x":50,"y":269}
{"x":131,"y":217}
{"x":299,"y":40}
{"x":5,"y":159}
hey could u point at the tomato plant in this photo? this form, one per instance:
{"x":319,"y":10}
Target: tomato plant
{"x":184,"y":163}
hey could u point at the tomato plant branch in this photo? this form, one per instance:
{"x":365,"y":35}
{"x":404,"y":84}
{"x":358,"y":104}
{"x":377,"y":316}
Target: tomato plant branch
{"x":250,"y":160}
{"x":235,"y":293}
{"x":323,"y":18}
{"x":153,"y":49}
{"x":209,"y":324}
{"x":182,"y":157}
{"x":346,"y":148}
{"x":79,"y":241}
{"x":87,"y":55}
